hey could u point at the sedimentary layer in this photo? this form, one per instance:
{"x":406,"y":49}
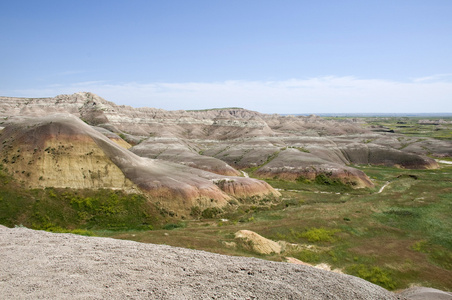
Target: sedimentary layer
{"x":62,"y":151}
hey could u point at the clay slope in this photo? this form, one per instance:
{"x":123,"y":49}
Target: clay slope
{"x":62,"y":151}
{"x":184,"y":152}
{"x":66,"y":266}
{"x":58,"y":151}
{"x":380,"y":155}
{"x":313,"y":125}
{"x":293,"y":164}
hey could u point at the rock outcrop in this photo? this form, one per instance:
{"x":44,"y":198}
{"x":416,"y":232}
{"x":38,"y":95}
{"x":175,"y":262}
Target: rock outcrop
{"x":254,"y":242}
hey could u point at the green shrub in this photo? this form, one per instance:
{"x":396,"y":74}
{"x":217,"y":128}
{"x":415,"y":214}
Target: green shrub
{"x":319,"y":235}
{"x":373,"y":274}
{"x":419,"y":246}
{"x":211,"y":212}
{"x":325,"y":179}
{"x":171,"y":226}
{"x":307,"y":256}
{"x":195,"y":211}
{"x":303,"y":179}
{"x":67,"y":209}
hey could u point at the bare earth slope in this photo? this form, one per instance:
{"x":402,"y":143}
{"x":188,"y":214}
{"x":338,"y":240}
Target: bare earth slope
{"x":43,"y":265}
{"x":60,"y":150}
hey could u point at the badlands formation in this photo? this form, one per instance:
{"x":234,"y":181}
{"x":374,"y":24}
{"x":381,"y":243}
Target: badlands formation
{"x":179,"y":160}
{"x":79,"y":141}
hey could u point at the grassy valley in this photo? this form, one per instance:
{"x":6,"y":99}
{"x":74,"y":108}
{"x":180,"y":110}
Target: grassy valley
{"x":395,"y":238}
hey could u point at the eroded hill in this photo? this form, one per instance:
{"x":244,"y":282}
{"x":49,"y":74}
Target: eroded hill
{"x":191,"y":158}
{"x":59,"y":150}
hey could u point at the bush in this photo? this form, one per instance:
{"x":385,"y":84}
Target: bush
{"x":373,"y":274}
{"x":195,"y":211}
{"x":319,"y":235}
{"x":64,"y":210}
{"x":307,"y":256}
{"x":325,"y":179}
{"x":171,"y":226}
{"x":211,"y":212}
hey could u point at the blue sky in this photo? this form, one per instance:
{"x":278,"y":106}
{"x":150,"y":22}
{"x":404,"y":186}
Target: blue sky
{"x":270,"y":56}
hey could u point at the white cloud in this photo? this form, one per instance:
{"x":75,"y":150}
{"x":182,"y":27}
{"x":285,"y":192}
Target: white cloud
{"x":329,"y":94}
{"x":436,"y":77}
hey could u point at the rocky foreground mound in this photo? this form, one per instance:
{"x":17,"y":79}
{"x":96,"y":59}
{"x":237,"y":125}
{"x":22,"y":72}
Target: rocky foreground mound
{"x":43,"y":265}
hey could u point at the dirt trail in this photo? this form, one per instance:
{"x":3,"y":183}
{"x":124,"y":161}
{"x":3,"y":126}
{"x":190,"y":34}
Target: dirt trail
{"x":43,"y":265}
{"x":383,"y":187}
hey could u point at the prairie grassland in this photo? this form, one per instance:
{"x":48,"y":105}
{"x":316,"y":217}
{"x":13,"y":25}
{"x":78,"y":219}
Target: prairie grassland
{"x":395,"y":238}
{"x":410,"y":126}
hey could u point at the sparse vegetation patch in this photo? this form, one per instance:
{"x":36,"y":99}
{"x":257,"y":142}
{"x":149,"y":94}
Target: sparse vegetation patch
{"x":377,"y":275}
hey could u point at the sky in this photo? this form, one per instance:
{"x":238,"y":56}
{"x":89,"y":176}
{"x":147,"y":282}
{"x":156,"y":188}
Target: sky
{"x":281,"y":56}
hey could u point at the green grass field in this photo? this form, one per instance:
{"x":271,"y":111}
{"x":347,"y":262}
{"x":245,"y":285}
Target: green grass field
{"x":395,"y":238}
{"x":411,"y":127}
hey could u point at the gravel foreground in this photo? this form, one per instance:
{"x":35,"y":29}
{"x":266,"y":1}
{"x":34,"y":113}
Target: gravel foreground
{"x":44,"y":265}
